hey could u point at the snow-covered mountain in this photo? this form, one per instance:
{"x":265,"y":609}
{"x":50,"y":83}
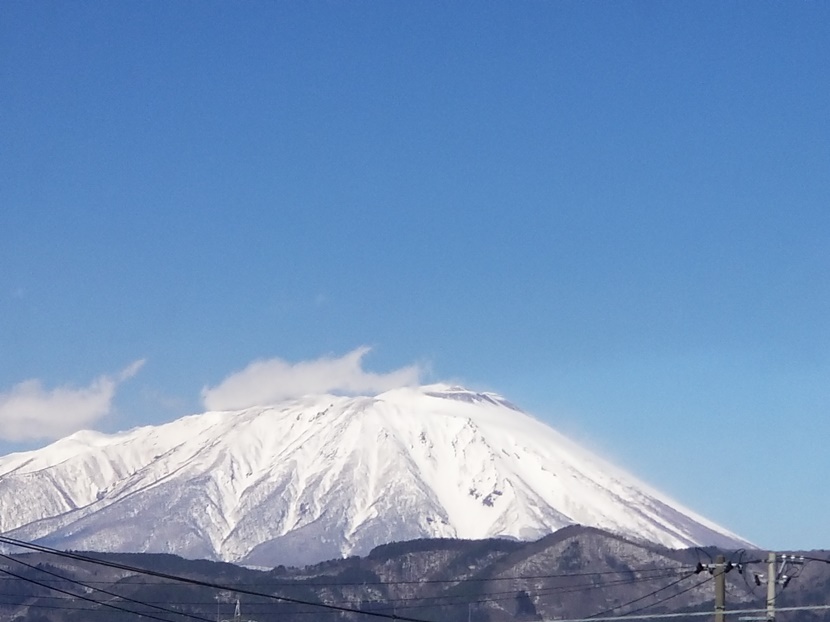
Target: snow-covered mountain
{"x":326,"y":476}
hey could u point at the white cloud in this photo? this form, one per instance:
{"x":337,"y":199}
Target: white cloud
{"x":28,"y":411}
{"x":269,"y":381}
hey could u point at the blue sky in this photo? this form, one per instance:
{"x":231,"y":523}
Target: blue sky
{"x":615,"y":214}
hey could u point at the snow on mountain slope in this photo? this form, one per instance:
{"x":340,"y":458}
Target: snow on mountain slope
{"x":325,"y":476}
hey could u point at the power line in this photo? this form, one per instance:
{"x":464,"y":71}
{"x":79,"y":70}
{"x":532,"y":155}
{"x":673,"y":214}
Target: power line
{"x":425,"y":602}
{"x":313,"y":582}
{"x":208,"y":584}
{"x":653,"y":616}
{"x":500,"y":596}
{"x":346,"y":609}
{"x":102,"y":591}
{"x":302,"y":583}
{"x":689,"y":614}
{"x":670,"y":596}
{"x":649,"y":595}
{"x":53,"y":607}
{"x":79,"y":596}
{"x":561,"y":589}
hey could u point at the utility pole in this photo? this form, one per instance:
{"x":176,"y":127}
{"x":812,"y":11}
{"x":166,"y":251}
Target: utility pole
{"x":718,"y":571}
{"x":778,"y":575}
{"x":772,"y":580}
{"x":720,"y":587}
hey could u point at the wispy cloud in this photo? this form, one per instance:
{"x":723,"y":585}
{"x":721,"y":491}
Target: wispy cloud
{"x":272,"y":380}
{"x":29,"y":411}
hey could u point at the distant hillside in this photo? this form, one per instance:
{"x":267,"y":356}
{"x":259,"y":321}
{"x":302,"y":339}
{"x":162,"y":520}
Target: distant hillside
{"x":576,"y":572}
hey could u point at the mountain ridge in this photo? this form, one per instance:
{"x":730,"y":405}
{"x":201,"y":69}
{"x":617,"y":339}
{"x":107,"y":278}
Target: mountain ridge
{"x":327,"y":476}
{"x":576,"y":572}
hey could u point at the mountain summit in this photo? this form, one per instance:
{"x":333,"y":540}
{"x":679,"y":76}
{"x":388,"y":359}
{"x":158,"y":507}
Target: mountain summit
{"x":327,"y":476}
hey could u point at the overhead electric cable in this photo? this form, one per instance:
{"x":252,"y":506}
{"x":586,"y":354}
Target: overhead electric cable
{"x":649,"y":595}
{"x":499,"y":596}
{"x":314,"y":582}
{"x":393,"y":604}
{"x":329,"y":605}
{"x":79,"y":596}
{"x":690,"y":614}
{"x":209,"y":584}
{"x":39,"y":605}
{"x":670,"y":596}
{"x":102,"y":591}
{"x":424,"y":602}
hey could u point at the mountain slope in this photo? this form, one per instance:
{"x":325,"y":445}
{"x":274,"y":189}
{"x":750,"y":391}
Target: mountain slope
{"x":325,"y":476}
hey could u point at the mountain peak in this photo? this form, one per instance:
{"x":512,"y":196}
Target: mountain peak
{"x":325,"y":476}
{"x":447,"y":391}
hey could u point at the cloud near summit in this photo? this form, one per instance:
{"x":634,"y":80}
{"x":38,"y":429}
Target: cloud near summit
{"x":271,"y":380}
{"x":28,"y":411}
